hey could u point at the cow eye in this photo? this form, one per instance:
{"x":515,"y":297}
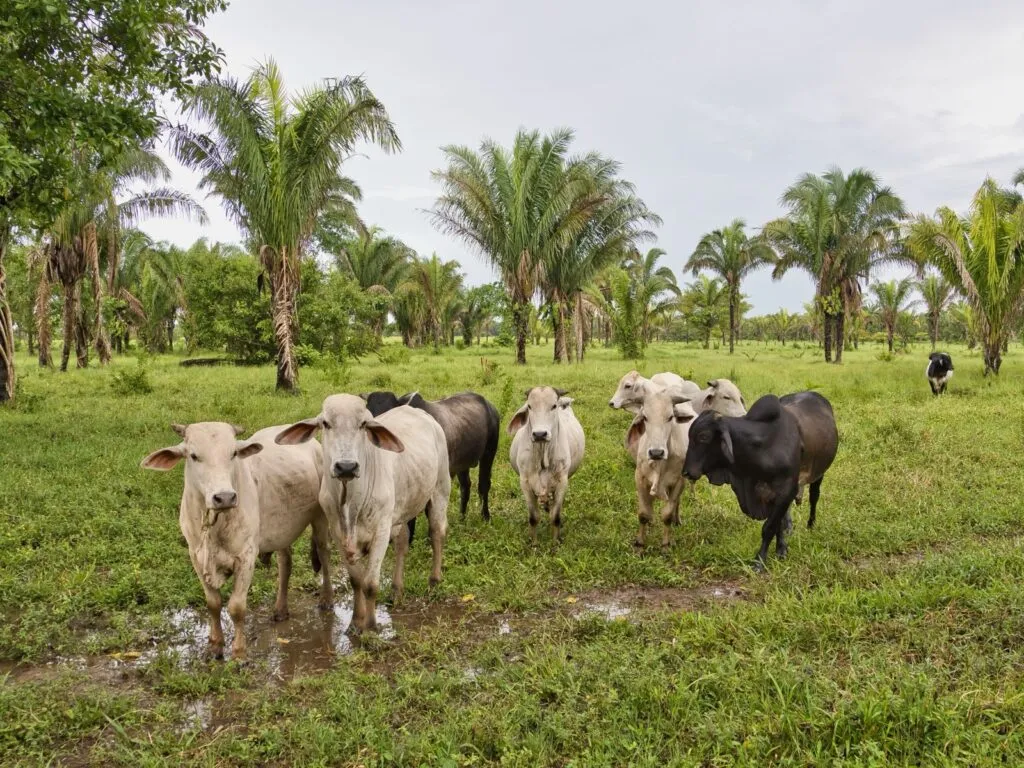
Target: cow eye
{"x":727,"y":397}
{"x":193,"y":457}
{"x":234,"y":454}
{"x":325,"y":425}
{"x":704,"y":437}
{"x":554,"y":406}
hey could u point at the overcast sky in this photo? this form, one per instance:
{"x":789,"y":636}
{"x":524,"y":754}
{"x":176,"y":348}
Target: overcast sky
{"x":711,"y":107}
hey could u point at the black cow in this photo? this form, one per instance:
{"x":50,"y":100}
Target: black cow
{"x":939,"y":371}
{"x":766,"y":457}
{"x":471,"y":427}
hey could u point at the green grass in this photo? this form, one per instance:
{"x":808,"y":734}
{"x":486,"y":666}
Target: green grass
{"x":891,"y":635}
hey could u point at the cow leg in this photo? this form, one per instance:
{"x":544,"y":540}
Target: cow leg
{"x":412,"y":527}
{"x":815,"y":493}
{"x":644,"y":507}
{"x":555,"y":508}
{"x":284,"y":573}
{"x":400,"y":536}
{"x":438,"y":532}
{"x":237,"y":608}
{"x":484,"y":484}
{"x":531,"y":505}
{"x":465,"y":486}
{"x":371,"y":573}
{"x":670,"y":512}
{"x":321,"y":545}
{"x":214,"y":601}
{"x":935,"y":390}
{"x":355,"y":578}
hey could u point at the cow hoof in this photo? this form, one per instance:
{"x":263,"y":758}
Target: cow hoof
{"x":434,"y":582}
{"x":281,"y":615}
{"x":325,"y":605}
{"x":758,"y":566}
{"x":486,"y":515}
{"x":216,"y":653}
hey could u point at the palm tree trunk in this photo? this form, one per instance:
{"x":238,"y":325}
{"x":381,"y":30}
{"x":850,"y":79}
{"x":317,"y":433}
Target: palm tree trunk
{"x":283,"y":287}
{"x":42,"y":313}
{"x":92,"y":255}
{"x":889,"y":332}
{"x":6,"y":325}
{"x":521,"y":321}
{"x":827,"y":326}
{"x":578,"y":326}
{"x":81,"y":332}
{"x":558,"y":320}
{"x":933,"y":330}
{"x":67,"y":325}
{"x":733,"y":299}
{"x":992,"y":356}
{"x":840,"y":336}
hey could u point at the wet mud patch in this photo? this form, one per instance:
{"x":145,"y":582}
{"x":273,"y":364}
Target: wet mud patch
{"x":630,"y":601}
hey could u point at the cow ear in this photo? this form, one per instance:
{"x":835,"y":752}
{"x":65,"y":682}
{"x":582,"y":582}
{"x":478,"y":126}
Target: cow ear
{"x":708,"y":399}
{"x":383,"y":438}
{"x":561,"y":392}
{"x":164,"y":459}
{"x":743,"y":402}
{"x":636,"y":430}
{"x":565,"y":402}
{"x":244,"y":449}
{"x":518,"y":420}
{"x":365,"y":396}
{"x":238,"y":429}
{"x":712,"y":383}
{"x":407,"y":398}
{"x":179,"y":429}
{"x":727,"y":445}
{"x":299,"y":432}
{"x":526,"y":392}
{"x":679,"y":399}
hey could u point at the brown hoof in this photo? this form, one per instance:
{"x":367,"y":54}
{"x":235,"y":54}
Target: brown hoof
{"x":281,"y":615}
{"x":325,"y":605}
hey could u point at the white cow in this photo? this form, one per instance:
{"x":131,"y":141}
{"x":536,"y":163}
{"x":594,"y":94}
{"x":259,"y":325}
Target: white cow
{"x":657,"y":440}
{"x":242,"y":498}
{"x":547,"y":448}
{"x":378,"y":474}
{"x":721,"y":396}
{"x":633,"y":387}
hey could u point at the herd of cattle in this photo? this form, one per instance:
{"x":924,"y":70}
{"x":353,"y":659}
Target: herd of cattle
{"x":383,"y":460}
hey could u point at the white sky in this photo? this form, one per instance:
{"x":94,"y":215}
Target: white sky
{"x":712,"y":108}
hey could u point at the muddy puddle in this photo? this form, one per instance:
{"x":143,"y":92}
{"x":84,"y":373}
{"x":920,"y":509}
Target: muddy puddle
{"x":311,"y":641}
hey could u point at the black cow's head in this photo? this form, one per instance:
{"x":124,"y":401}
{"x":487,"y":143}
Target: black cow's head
{"x":380,"y":402}
{"x":710,"y":451}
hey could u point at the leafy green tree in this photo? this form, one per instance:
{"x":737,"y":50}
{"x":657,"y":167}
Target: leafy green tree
{"x":982,"y":255}
{"x":783,"y":325}
{"x":838,"y":228}
{"x":87,"y":74}
{"x":705,"y":304}
{"x":731,"y":255}
{"x":517,"y":207}
{"x":656,"y":289}
{"x":891,"y":300}
{"x":937,"y":294}
{"x":479,"y":306}
{"x":275,"y":162}
{"x":439,"y":282}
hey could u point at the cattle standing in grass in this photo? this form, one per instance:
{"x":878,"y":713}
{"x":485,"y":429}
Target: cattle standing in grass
{"x":243,"y":498}
{"x":470,"y":425}
{"x":547,"y":448}
{"x":939,"y":371}
{"x":378,"y":474}
{"x":766,"y":457}
{"x":633,"y":388}
{"x":657,"y":440}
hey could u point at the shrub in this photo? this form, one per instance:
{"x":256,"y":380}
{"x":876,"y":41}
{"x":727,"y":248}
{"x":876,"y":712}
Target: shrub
{"x":132,"y":381}
{"x":488,"y":372}
{"x":391,"y":354}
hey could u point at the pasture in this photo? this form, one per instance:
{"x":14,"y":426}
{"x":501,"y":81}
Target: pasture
{"x":891,"y":635}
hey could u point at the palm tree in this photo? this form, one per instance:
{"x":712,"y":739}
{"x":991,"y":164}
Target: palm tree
{"x":275,"y":160}
{"x":982,"y":255}
{"x":92,"y":222}
{"x":891,"y":301}
{"x":656,"y":289}
{"x":518,"y":208}
{"x":838,"y":227}
{"x":439,"y":282}
{"x":783,"y":324}
{"x":379,"y":264}
{"x":615,"y":221}
{"x":704,"y":303}
{"x":937,"y":294}
{"x":731,"y":255}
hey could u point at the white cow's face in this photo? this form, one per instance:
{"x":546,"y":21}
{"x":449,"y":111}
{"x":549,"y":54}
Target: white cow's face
{"x":350,"y":433}
{"x":211,"y":451}
{"x":660,"y":413}
{"x":722,"y":396}
{"x":540,"y":413}
{"x":629,"y":391}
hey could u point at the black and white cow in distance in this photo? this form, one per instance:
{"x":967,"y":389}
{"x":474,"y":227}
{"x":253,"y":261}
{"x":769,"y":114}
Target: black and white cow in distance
{"x":939,"y":371}
{"x":766,"y":457}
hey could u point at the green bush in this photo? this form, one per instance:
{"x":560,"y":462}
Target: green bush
{"x":132,"y":381}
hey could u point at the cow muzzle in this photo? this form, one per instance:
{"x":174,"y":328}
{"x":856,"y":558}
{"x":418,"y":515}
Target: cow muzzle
{"x":345,"y":469}
{"x":541,"y":435}
{"x":656,"y":454}
{"x":224,"y":500}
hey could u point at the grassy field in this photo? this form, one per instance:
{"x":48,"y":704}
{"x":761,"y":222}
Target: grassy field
{"x":891,"y":635}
